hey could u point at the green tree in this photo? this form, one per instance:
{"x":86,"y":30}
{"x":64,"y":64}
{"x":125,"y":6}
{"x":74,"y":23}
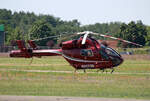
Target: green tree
{"x":40,"y":26}
{"x":5,"y":14}
{"x":148,"y":36}
{"x":134,"y":32}
{"x":39,"y":30}
{"x":16,"y":34}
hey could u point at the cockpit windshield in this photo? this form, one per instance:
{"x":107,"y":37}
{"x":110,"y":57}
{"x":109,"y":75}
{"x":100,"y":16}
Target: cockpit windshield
{"x":106,"y":51}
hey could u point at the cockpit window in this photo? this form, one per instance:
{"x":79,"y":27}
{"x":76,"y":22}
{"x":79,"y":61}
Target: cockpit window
{"x":110,"y":51}
{"x":103,"y":52}
{"x":85,"y":52}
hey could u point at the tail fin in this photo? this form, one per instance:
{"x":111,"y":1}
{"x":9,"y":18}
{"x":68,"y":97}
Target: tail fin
{"x":23,"y":52}
{"x":21,"y":45}
{"x":32,"y":44}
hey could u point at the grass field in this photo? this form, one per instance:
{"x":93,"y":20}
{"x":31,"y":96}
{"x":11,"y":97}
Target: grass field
{"x":70,"y":84}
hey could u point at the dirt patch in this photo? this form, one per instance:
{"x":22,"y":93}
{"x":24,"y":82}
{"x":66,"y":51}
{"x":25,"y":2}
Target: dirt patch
{"x":4,"y":55}
{"x":57,"y":98}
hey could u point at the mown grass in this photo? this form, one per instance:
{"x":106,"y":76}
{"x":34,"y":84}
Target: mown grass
{"x":45,"y":63}
{"x":60,"y":64}
{"x":85,"y":85}
{"x":135,"y":66}
{"x":70,"y":84}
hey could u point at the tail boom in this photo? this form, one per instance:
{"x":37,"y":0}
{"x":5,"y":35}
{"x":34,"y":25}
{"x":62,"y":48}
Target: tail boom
{"x":33,"y":51}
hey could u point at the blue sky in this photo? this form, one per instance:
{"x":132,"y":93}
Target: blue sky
{"x":86,"y":11}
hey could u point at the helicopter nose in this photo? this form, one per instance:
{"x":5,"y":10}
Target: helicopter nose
{"x":120,"y":61}
{"x":116,"y":61}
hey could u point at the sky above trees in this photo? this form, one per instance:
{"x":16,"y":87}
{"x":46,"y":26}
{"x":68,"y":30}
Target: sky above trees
{"x":86,"y":11}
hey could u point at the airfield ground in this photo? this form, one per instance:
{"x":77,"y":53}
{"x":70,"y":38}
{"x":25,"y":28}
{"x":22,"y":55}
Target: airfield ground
{"x":131,"y":80}
{"x":58,"y":98}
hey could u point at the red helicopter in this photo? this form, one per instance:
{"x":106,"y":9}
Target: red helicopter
{"x":82,"y":53}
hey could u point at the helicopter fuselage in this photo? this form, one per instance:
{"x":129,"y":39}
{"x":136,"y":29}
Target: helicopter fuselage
{"x":91,"y":55}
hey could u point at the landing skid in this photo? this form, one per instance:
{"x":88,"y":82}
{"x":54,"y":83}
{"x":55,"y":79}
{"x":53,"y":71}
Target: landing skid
{"x":31,"y":61}
{"x":75,"y":71}
{"x":112,"y":70}
{"x":102,"y":70}
{"x":105,"y":70}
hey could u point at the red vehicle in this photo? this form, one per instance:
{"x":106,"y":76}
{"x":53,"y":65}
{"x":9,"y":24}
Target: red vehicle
{"x":83,"y":53}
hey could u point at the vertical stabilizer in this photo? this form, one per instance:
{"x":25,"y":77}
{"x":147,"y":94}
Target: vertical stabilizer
{"x":21,"y":45}
{"x":32,"y":44}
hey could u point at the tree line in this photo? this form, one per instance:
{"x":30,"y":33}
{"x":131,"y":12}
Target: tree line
{"x":27,"y":25}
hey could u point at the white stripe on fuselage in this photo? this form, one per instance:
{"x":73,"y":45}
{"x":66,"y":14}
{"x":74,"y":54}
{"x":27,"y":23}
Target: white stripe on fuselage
{"x":67,"y":57}
{"x":81,"y":60}
{"x":47,"y":51}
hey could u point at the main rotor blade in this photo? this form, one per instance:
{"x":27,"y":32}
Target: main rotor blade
{"x":84,"y":38}
{"x":84,"y":32}
{"x":108,"y":36}
{"x":46,"y":38}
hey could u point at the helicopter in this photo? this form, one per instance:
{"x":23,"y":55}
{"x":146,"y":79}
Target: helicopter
{"x":82,"y":53}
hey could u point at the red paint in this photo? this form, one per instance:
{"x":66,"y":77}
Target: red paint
{"x":91,"y":55}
